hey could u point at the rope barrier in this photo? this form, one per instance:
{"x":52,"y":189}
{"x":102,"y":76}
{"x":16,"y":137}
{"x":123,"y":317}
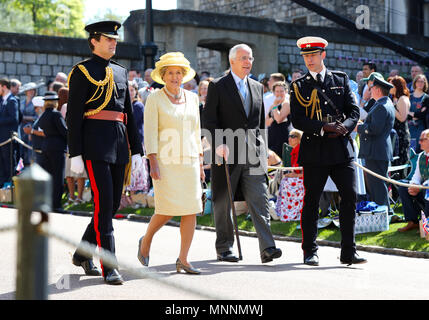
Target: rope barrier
{"x":285,"y":168}
{"x":407,"y":185}
{"x":6,"y":142}
{"x":15,"y":138}
{"x":87,"y":249}
{"x":22,"y":143}
{"x":109,"y":259}
{"x":402,"y":184}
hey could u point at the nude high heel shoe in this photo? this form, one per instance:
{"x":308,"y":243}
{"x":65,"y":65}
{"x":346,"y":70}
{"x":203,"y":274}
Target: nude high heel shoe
{"x":143,"y":260}
{"x":180,"y":266}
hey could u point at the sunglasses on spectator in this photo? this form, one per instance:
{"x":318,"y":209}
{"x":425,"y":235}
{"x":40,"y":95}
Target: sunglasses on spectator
{"x":293,"y":136}
{"x":422,"y":139}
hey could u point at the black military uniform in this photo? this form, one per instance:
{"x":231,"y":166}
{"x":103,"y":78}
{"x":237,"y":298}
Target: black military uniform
{"x":315,"y":103}
{"x":54,"y":148}
{"x":101,"y":128}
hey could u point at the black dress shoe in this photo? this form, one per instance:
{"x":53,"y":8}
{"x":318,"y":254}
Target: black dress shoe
{"x":270,"y":253}
{"x":355,"y":259}
{"x":227,"y":256}
{"x":113,"y":277}
{"x":88,"y":266}
{"x":312,"y":260}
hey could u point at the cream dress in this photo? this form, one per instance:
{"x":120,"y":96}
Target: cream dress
{"x":172,"y":132}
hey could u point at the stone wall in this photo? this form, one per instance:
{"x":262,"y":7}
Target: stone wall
{"x":290,"y":12}
{"x":347,"y":57}
{"x":33,"y":58}
{"x":340,"y":56}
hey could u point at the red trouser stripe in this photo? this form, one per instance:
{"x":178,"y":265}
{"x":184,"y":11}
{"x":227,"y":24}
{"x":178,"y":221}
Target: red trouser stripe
{"x":96,"y":205}
{"x":303,"y":204}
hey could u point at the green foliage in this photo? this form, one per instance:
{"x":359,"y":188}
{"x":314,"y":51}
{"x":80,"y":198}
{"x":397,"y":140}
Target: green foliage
{"x":14,"y":20}
{"x":44,"y":17}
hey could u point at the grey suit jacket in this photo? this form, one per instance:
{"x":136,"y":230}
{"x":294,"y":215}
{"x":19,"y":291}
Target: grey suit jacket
{"x":375,"y":142}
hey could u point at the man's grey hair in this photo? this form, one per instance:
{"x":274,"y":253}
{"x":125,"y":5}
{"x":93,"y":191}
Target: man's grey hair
{"x":234,"y":49}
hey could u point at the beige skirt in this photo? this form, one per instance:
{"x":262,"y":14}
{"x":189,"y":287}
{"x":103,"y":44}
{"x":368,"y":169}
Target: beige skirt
{"x":178,"y":192}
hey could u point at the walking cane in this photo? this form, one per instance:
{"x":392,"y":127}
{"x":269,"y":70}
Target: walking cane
{"x":234,"y":216}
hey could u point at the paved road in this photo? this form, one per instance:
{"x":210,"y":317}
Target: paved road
{"x":384,"y":277}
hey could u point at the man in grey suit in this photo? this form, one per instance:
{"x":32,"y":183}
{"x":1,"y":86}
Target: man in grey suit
{"x":375,"y":143}
{"x":234,"y":115}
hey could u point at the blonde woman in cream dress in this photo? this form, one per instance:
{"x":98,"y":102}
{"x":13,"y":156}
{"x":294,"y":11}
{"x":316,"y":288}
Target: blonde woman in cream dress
{"x":173,"y":146}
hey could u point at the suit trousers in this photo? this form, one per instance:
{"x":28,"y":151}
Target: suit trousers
{"x":315,"y":178}
{"x":54,"y":163}
{"x":106,"y":187}
{"x":254,"y":190}
{"x":410,"y":204}
{"x":5,"y":174}
{"x":377,"y":189}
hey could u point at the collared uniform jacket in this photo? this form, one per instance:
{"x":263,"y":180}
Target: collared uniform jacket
{"x":100,"y":140}
{"x":317,"y":148}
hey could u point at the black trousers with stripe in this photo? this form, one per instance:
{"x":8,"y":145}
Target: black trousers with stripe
{"x":106,"y":187}
{"x":315,"y":178}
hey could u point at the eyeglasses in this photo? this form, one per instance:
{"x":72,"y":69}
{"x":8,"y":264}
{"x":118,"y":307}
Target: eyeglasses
{"x":293,"y":136}
{"x":244,"y":58}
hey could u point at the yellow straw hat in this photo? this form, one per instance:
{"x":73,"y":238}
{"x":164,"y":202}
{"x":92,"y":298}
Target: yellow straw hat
{"x":176,"y":59}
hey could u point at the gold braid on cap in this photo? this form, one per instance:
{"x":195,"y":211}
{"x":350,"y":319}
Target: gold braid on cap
{"x":314,"y":102}
{"x":99,"y":84}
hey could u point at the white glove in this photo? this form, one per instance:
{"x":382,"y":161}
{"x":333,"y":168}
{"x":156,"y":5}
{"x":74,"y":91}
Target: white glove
{"x":136,"y":161}
{"x":77,"y":164}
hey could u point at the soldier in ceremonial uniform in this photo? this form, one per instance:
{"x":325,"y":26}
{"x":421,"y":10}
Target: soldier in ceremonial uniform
{"x":323,"y":107}
{"x":102,"y":136}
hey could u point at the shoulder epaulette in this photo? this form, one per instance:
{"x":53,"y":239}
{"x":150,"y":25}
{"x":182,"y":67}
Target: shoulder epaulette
{"x":118,"y":64}
{"x":338,"y":72}
{"x":71,"y":71}
{"x":297,"y":80}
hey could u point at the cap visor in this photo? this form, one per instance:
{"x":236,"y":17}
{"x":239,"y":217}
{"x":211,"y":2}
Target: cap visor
{"x":112,"y":36}
{"x":311,"y":51}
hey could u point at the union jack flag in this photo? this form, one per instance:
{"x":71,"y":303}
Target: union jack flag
{"x":20,"y":165}
{"x":425,"y":224}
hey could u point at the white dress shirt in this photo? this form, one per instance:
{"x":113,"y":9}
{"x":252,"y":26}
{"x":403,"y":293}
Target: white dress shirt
{"x":5,"y":98}
{"x":237,"y":80}
{"x":322,"y":73}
